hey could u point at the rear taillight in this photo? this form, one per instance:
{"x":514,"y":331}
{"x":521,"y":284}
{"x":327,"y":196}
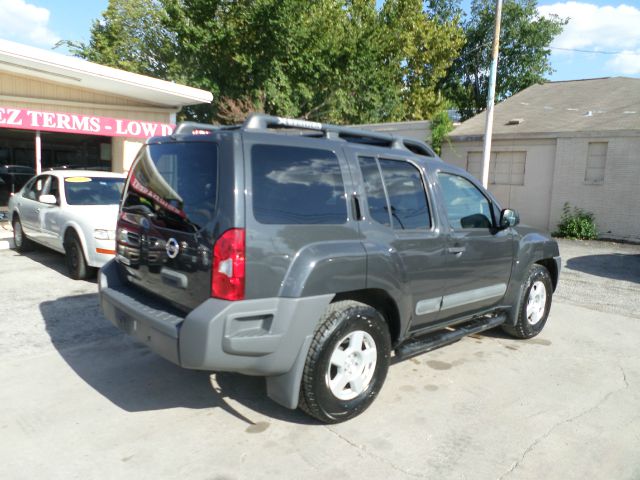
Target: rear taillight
{"x":227,"y":279}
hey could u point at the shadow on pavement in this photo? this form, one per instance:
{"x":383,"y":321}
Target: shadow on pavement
{"x":51,"y":259}
{"x":134,"y":378}
{"x":46,"y":257}
{"x":617,"y":266}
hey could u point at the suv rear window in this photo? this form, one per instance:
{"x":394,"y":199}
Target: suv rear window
{"x":175,"y":184}
{"x":294,"y":185}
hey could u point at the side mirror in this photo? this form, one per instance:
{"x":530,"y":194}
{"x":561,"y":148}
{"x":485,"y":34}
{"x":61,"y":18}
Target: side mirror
{"x":48,"y":199}
{"x":509,"y":218}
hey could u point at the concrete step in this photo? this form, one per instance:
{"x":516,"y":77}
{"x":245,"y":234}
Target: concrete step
{"x":6,"y":236}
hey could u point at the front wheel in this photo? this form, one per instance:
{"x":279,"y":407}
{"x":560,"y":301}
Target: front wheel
{"x":534,"y":304}
{"x":20,"y":240}
{"x":347,"y":362}
{"x":76,"y":263}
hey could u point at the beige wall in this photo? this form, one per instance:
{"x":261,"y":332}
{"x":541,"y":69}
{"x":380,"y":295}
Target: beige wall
{"x":615,"y":202}
{"x":21,"y":87}
{"x":26,"y":92}
{"x":124,"y":153}
{"x":533,"y":199}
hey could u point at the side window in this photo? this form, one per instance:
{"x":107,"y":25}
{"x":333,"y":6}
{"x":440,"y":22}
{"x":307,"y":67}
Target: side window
{"x":27,"y":193}
{"x":407,"y":198}
{"x":376,"y":198}
{"x":295,"y":185}
{"x":34,"y":190}
{"x":466,"y":206}
{"x":54,"y":189}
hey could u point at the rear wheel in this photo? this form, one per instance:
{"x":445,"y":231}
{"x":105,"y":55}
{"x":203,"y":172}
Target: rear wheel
{"x":347,"y":362}
{"x":534,"y":304}
{"x":20,"y":240}
{"x":76,"y":263}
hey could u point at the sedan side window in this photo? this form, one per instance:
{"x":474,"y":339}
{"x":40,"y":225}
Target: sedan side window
{"x":51,"y":188}
{"x":34,"y":189}
{"x":466,"y":206}
{"x":54,"y":189}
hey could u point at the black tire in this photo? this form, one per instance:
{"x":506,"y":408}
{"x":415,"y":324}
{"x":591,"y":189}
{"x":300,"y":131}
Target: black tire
{"x":342,"y":322}
{"x":20,"y":239}
{"x":76,"y":263}
{"x":531,"y":321}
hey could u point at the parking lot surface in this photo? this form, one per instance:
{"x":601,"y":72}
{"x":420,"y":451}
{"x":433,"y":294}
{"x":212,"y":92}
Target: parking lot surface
{"x":79,"y":400}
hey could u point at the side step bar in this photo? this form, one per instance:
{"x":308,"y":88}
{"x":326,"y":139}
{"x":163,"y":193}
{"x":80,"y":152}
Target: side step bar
{"x":438,"y":339}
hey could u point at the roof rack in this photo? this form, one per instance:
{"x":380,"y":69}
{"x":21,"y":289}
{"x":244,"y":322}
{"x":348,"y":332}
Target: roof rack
{"x":195,"y":128}
{"x":258,"y":121}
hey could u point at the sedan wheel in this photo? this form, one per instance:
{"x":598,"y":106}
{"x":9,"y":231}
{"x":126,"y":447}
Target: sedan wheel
{"x":20,"y":240}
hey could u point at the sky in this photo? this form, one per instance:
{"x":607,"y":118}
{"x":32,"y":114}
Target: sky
{"x":602,"y":38}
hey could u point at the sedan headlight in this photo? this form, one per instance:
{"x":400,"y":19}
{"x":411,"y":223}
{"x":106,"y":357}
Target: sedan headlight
{"x":101,"y":234}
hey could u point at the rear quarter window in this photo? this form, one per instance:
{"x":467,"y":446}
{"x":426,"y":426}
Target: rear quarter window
{"x":296,"y":185}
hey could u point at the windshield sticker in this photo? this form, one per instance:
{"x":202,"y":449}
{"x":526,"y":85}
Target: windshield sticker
{"x":77,"y":179}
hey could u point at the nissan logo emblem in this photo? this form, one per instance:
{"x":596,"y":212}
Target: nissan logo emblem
{"x":172,"y":248}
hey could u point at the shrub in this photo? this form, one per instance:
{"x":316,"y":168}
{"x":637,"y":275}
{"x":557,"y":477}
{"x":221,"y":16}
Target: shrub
{"x":576,"y":223}
{"x":441,"y":125}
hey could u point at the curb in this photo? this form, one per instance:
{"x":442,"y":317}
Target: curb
{"x":6,"y":244}
{"x":6,"y":236}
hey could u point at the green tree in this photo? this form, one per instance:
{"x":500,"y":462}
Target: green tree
{"x":425,"y":47}
{"x":525,"y":38}
{"x":131,"y":35}
{"x":341,"y":61}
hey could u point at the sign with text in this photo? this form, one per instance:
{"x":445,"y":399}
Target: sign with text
{"x":27,"y":119}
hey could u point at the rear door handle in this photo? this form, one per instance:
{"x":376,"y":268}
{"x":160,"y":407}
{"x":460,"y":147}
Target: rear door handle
{"x":456,"y":250}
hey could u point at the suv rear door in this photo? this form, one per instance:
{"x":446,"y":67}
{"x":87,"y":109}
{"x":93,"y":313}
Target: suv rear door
{"x":401,"y":232}
{"x":167,"y":219}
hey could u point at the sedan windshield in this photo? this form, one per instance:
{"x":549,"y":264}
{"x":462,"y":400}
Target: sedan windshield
{"x":93,"y":190}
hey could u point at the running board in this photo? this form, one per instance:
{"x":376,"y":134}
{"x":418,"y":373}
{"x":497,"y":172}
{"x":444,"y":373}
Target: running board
{"x":438,"y":339}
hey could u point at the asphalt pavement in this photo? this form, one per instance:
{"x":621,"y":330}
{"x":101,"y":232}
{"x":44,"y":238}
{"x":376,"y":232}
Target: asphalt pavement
{"x":80,"y":400}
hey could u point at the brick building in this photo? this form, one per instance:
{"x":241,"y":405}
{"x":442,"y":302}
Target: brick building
{"x":574,"y":141}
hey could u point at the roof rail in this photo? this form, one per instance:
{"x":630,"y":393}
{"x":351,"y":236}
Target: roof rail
{"x":259,"y":121}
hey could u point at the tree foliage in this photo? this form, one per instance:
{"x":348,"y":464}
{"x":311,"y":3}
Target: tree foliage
{"x":342,"y":61}
{"x":525,"y":38}
{"x":133,"y":36}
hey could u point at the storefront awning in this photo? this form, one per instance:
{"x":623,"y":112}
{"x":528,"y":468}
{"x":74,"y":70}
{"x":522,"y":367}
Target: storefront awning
{"x":48,"y":65}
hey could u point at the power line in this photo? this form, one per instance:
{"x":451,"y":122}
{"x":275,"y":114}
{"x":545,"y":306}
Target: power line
{"x":594,"y":51}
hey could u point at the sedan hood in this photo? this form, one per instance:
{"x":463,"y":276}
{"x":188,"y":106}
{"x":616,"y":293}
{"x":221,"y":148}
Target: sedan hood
{"x":98,"y":216}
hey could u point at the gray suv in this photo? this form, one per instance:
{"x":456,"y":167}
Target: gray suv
{"x":308,"y":253}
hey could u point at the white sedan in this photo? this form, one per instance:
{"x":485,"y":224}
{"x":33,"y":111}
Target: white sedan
{"x":71,"y":211}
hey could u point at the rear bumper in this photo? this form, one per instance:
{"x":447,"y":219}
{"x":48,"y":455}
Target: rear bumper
{"x":254,"y":337}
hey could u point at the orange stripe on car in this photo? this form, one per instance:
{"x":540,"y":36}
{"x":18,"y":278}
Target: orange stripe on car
{"x":105,"y":251}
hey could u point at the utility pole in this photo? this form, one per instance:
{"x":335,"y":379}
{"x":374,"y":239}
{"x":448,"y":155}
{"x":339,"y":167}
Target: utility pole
{"x":488,"y":131}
